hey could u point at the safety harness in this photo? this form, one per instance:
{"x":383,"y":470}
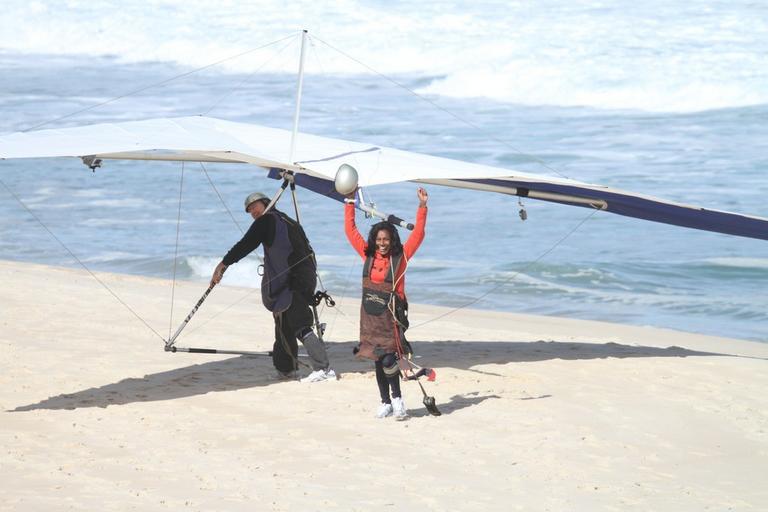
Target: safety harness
{"x":382,"y":311}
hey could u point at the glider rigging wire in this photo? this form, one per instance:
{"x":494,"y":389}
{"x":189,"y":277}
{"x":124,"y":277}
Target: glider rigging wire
{"x":248,"y":77}
{"x":319,"y":298}
{"x":176,"y":251}
{"x":136,"y":91}
{"x":78,"y":259}
{"x":514,"y":276}
{"x":475,"y":127}
{"x":323,"y":72}
{"x":156,"y":84}
{"x":443,"y":109}
{"x":347,"y":280}
{"x":223,"y":203}
{"x":219,"y":101}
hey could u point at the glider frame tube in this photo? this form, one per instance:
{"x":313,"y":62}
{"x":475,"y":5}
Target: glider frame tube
{"x":522,"y":192}
{"x":172,"y":339}
{"x":361,"y":205}
{"x":219,"y":351}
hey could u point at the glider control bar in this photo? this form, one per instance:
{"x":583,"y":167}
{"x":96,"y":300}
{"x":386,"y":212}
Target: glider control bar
{"x":370,"y":210}
{"x":346,"y":183}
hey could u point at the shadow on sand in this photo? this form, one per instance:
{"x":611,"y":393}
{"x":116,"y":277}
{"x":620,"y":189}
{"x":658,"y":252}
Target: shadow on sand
{"x":248,"y":372}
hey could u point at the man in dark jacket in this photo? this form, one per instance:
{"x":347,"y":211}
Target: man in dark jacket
{"x":287,"y":286}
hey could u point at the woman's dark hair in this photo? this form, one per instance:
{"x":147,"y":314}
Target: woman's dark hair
{"x":395,"y":246}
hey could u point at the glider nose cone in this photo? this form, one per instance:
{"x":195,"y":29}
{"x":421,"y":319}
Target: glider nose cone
{"x":346,"y":180}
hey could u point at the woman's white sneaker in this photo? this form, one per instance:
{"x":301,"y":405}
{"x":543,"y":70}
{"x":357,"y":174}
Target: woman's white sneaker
{"x":398,"y":408}
{"x":385,"y":410}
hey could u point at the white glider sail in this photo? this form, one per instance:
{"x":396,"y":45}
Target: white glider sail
{"x":316,"y":159}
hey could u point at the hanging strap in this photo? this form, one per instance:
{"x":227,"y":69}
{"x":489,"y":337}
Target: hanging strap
{"x":394,"y":265}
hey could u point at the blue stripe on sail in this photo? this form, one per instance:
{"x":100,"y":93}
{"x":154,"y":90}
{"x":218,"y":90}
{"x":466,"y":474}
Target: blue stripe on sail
{"x":619,"y":203}
{"x":650,"y":209}
{"x":318,"y":185}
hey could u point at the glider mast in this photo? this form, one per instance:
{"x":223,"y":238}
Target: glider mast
{"x":299,"y":87}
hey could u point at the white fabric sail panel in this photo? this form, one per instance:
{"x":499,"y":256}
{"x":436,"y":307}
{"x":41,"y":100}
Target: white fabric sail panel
{"x":182,"y":136}
{"x":201,"y":138}
{"x":215,"y":140}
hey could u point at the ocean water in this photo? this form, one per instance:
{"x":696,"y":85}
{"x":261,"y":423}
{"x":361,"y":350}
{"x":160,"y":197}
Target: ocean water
{"x":669,"y":100}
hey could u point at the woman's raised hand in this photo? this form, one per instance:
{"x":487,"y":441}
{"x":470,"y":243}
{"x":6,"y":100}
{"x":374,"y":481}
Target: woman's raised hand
{"x":423,"y":196}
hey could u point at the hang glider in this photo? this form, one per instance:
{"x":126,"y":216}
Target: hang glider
{"x":316,"y":160}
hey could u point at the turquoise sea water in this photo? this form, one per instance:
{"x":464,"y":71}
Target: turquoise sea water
{"x":680,"y":116}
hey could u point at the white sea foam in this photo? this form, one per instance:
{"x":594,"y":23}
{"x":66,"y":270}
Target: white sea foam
{"x":661,"y":298}
{"x":756,"y":263}
{"x":656,"y":56}
{"x":105,"y":222}
{"x":129,"y":202}
{"x":245,"y":273}
{"x":88,"y":193}
{"x":110,"y":256}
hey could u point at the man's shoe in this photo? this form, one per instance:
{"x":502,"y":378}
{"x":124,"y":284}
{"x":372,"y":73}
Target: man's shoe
{"x":320,"y":375}
{"x":398,"y":408}
{"x":385,"y":410}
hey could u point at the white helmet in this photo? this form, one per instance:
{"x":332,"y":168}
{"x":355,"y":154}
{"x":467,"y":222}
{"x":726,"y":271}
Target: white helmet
{"x":252,"y":198}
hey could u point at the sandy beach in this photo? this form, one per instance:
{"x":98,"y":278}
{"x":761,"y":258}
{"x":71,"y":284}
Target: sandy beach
{"x":539,"y":413}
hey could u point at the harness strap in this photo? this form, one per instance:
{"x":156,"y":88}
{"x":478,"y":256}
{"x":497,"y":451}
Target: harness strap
{"x":394,"y":265}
